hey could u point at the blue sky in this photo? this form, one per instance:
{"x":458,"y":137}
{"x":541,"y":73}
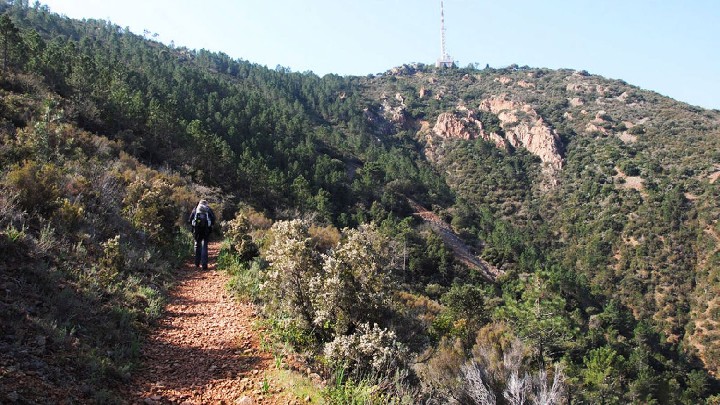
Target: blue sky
{"x":668,"y":46}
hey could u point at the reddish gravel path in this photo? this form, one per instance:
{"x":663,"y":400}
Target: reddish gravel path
{"x":204,"y":350}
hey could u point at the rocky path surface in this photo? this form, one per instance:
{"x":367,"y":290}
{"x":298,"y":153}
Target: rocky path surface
{"x":204,"y":350}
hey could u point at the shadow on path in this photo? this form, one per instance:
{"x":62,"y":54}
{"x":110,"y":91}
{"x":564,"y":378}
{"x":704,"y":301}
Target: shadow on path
{"x":204,"y":349}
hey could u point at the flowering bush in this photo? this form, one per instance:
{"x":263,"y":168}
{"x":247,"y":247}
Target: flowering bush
{"x":293,"y":263}
{"x":354,"y":285}
{"x":237,"y":232}
{"x":370,"y":349}
{"x":235,"y":229}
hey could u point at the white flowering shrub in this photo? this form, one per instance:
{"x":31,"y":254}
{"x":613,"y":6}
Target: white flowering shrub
{"x":292,"y":264}
{"x":355,"y":284}
{"x":237,"y":232}
{"x":335,"y":296}
{"x":369,"y":350}
{"x":235,"y":229}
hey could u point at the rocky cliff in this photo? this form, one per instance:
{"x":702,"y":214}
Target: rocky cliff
{"x":522,"y":126}
{"x":525,"y":128}
{"x":465,"y":125}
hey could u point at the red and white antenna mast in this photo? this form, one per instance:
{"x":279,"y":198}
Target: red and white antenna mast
{"x":445,"y":59}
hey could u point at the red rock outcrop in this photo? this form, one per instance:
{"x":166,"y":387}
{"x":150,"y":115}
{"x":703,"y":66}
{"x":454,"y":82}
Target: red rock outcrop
{"x":451,"y":125}
{"x":394,"y":113}
{"x":526,"y":84}
{"x":525,"y":128}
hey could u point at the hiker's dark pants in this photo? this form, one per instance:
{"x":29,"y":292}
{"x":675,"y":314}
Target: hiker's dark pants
{"x":201,"y":251}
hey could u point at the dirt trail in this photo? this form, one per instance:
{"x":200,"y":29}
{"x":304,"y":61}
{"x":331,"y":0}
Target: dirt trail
{"x":204,"y":349}
{"x":460,"y":249}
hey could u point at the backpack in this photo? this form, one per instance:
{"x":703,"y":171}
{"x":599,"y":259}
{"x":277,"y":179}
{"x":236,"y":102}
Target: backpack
{"x":201,"y":221}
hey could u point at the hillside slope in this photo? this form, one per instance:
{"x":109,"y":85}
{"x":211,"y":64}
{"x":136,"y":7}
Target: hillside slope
{"x":623,"y":179}
{"x":596,"y":201}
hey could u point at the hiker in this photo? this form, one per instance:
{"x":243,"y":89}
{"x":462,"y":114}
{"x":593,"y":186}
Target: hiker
{"x":201,"y":219}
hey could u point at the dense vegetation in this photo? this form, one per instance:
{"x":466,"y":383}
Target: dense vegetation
{"x":610,"y":263}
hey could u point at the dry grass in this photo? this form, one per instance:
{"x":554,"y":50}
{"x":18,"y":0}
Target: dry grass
{"x":714,"y":176}
{"x":629,"y":182}
{"x":627,"y":138}
{"x":295,"y":386}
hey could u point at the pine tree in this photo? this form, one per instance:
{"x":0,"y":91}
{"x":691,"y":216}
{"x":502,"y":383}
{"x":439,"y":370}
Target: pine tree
{"x":12,"y":43}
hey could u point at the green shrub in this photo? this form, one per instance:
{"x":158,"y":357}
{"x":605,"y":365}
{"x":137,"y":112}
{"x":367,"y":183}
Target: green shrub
{"x":348,"y":391}
{"x":290,"y":331}
{"x":150,"y":207}
{"x":637,"y":130}
{"x":68,"y":215}
{"x":38,"y":186}
{"x":112,"y":262}
{"x":244,"y":275}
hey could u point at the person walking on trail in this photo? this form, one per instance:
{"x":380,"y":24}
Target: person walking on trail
{"x":202,"y":219}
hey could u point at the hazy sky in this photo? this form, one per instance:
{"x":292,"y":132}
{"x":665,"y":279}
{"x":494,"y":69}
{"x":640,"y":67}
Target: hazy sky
{"x":669,"y":46}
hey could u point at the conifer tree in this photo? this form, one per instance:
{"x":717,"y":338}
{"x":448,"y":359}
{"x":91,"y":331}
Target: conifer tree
{"x":11,"y":41}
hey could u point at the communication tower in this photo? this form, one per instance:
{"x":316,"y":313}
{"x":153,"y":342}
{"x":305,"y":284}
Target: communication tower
{"x":445,"y":60}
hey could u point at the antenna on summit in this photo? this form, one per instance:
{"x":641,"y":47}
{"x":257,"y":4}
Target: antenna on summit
{"x":445,"y":60}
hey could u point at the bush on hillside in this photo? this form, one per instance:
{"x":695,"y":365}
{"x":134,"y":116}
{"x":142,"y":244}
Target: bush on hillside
{"x":355,"y":285}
